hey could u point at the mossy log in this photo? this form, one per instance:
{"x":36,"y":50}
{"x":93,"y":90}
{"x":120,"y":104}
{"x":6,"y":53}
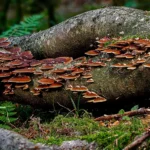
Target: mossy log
{"x":74,"y":36}
{"x":57,"y":81}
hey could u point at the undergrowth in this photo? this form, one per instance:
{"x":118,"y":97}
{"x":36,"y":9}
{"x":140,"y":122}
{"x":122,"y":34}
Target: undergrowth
{"x":7,"y":114}
{"x":64,"y":128}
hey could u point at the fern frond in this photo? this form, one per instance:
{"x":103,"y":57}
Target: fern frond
{"x":27,"y":26}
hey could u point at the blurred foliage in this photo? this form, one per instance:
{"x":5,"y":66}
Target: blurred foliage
{"x":28,"y":25}
{"x":55,"y":11}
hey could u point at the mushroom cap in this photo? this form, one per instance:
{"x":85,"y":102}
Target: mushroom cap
{"x":96,"y":64}
{"x":69,"y":76}
{"x":146,"y":65}
{"x":42,"y":86}
{"x":46,"y":81}
{"x":5,"y":74}
{"x":3,"y":39}
{"x":4,"y":44}
{"x":65,"y":60}
{"x":90,"y":80}
{"x":77,"y":71}
{"x":47,"y":67}
{"x":140,"y":61}
{"x":55,"y":85}
{"x":112,"y":51}
{"x":131,"y":68}
{"x":24,"y":70}
{"x":99,"y":99}
{"x":92,"y":53}
{"x":119,"y":65}
{"x":59,"y":71}
{"x":14,"y":63}
{"x":17,"y":86}
{"x":3,"y":68}
{"x":18,"y":79}
{"x":35,"y":63}
{"x":79,"y":89}
{"x":89,"y":94}
{"x":87,"y":76}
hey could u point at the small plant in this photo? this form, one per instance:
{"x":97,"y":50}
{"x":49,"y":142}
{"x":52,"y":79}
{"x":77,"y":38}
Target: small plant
{"x":76,"y":106}
{"x":7,"y":113}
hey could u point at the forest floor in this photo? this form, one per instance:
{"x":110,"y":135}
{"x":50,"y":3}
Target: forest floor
{"x":109,"y":132}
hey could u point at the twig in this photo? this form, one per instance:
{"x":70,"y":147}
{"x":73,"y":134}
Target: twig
{"x":129,"y":113}
{"x":64,"y":107}
{"x":138,"y":141}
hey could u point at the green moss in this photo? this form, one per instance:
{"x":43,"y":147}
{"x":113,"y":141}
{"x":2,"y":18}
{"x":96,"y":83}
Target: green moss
{"x":85,"y":128}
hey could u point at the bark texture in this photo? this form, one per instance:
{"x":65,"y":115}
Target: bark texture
{"x":74,"y":36}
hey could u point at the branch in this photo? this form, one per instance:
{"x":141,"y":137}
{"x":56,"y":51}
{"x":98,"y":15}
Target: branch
{"x":138,"y":141}
{"x":129,"y":113}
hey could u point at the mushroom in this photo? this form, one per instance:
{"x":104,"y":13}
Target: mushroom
{"x":87,"y":75}
{"x":92,"y":53}
{"x":146,"y":65}
{"x":59,"y":71}
{"x":46,"y":81}
{"x":35,"y":63}
{"x":4,"y":44}
{"x":77,"y":71}
{"x":55,"y":85}
{"x":5,"y":74}
{"x":24,"y":70}
{"x":98,"y":100}
{"x":41,"y":87}
{"x":65,"y":60}
{"x":89,"y":94}
{"x":119,"y":65}
{"x":14,"y":63}
{"x":18,"y":79}
{"x":79,"y":89}
{"x":47,"y":67}
{"x":69,"y":76}
{"x":90,"y":80}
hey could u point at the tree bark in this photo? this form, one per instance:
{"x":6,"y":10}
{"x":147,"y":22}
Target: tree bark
{"x":74,"y":36}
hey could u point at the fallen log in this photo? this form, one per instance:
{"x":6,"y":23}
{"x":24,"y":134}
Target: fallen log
{"x":74,"y":36}
{"x":118,"y":71}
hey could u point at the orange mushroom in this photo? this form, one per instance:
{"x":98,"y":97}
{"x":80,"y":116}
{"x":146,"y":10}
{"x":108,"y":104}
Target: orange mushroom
{"x":18,"y":79}
{"x":46,"y":81}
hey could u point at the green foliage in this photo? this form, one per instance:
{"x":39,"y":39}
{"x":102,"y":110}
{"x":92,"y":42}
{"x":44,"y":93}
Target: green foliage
{"x":136,"y":107}
{"x":28,"y":25}
{"x":121,"y":112}
{"x":85,"y":128}
{"x":116,"y":137}
{"x":7,"y":113}
{"x":68,"y":128}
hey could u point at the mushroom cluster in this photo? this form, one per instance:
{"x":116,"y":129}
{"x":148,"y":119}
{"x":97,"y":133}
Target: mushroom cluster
{"x":19,"y":69}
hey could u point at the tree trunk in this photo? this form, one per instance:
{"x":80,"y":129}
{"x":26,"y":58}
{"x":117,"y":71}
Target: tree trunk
{"x":74,"y":36}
